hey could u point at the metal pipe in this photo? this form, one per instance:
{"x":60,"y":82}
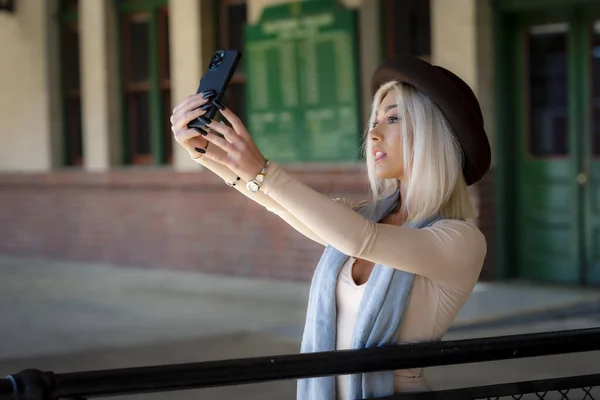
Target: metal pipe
{"x":7,"y":390}
{"x":261,"y":369}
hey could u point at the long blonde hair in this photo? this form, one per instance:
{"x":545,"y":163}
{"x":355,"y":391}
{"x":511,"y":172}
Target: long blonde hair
{"x":432,"y":158}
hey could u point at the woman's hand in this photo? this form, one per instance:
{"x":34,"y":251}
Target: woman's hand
{"x":240,"y":153}
{"x":183,"y":114}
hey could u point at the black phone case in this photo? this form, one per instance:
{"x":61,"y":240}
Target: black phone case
{"x":220,"y":70}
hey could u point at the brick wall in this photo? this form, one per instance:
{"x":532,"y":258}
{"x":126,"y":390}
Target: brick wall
{"x":160,"y":219}
{"x":163,"y":219}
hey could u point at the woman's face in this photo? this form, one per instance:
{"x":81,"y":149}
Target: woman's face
{"x":386,"y":140}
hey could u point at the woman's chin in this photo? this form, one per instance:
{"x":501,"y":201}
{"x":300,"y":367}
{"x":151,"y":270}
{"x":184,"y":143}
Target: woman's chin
{"x":384,"y":173}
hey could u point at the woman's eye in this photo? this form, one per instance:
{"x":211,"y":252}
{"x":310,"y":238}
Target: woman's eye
{"x":392,"y":120}
{"x":373,"y":124}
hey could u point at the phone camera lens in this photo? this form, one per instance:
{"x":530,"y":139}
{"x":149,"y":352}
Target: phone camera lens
{"x":216,"y":60}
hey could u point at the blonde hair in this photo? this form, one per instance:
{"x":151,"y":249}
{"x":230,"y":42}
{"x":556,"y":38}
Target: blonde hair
{"x":432,"y":158}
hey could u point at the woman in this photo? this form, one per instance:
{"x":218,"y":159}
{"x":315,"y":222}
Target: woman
{"x":399,"y":267}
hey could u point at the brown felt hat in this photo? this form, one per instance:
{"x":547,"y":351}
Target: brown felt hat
{"x":453,"y":96}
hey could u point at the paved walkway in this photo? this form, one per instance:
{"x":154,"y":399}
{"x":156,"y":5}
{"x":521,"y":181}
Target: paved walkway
{"x":55,"y":307}
{"x":69,"y":316}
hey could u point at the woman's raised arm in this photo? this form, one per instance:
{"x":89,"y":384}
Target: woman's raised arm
{"x":450,"y":251}
{"x":192,"y":141}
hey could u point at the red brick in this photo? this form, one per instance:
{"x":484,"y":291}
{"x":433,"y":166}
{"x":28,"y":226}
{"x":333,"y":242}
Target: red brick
{"x":157,"y":218}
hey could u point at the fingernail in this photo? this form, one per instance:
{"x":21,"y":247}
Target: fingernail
{"x":205,"y":121}
{"x":218,"y":104}
{"x":199,"y":150}
{"x":206,"y":106}
{"x":208,"y":93}
{"x":200,"y":131}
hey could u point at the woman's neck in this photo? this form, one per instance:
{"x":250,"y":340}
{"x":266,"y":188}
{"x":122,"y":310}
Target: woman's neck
{"x":403,"y":189}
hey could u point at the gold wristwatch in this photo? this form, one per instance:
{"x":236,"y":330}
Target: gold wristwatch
{"x":255,"y":184}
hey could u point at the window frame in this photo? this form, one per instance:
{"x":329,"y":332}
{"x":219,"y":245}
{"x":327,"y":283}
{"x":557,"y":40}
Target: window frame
{"x":161,"y":148}
{"x":69,"y":19}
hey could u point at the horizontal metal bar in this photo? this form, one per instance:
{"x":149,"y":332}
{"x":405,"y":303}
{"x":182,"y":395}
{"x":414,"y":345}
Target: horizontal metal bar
{"x":504,"y":389}
{"x":6,"y":390}
{"x":262,"y":369}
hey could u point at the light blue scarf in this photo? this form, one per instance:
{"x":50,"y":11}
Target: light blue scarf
{"x":379,"y":318}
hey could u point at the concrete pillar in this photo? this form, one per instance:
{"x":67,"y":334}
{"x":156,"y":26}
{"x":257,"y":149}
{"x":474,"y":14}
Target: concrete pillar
{"x":191,"y":41}
{"x":462,"y":42}
{"x":369,"y":21}
{"x":27,"y":107}
{"x":99,"y":72}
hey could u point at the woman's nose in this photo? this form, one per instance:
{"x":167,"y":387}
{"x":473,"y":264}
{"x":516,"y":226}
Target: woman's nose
{"x":375,"y":135}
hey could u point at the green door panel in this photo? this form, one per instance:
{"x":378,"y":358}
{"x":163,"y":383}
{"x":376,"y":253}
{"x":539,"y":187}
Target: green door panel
{"x":557,"y":126}
{"x":547,"y":216}
{"x":589,"y":174}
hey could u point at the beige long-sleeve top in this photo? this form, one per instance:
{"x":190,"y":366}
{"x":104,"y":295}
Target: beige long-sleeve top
{"x":446,"y":258}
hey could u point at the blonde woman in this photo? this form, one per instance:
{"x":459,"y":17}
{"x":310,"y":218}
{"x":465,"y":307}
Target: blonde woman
{"x":398,"y":267}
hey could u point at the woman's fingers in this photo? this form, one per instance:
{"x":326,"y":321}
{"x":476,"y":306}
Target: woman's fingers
{"x":186,"y":114}
{"x":184,"y":136}
{"x":220,"y":142}
{"x":194,"y":143}
{"x":194,"y":101}
{"x":223,"y":129}
{"x":182,"y":119}
{"x":189,"y":139}
{"x":191,"y":108}
{"x":191,"y":143}
{"x":190,"y":102}
{"x":236,"y":123}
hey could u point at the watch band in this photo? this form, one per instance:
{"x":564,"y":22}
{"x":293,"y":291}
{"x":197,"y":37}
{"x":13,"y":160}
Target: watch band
{"x":255,"y":184}
{"x":264,"y":170}
{"x":232,"y":184}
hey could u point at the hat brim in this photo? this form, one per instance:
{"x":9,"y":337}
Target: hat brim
{"x":455,"y":99}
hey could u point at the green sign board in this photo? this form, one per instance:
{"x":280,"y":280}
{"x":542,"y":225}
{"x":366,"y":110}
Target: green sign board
{"x":301,"y":82}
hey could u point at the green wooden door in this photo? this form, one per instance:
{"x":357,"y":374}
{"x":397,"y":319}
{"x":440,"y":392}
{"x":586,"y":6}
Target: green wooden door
{"x":589,"y":174}
{"x":547,"y":205}
{"x":557,"y":101}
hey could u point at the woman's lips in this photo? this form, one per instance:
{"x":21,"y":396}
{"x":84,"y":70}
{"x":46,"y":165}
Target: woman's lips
{"x":379,"y":155}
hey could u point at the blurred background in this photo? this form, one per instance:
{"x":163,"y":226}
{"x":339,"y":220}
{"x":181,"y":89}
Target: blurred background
{"x":118,"y":250}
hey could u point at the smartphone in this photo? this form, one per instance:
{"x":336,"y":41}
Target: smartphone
{"x":220,"y":70}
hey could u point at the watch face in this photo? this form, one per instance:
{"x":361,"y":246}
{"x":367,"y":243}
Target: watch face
{"x":253,"y":187}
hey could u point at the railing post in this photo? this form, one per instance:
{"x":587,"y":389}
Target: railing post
{"x":33,"y":384}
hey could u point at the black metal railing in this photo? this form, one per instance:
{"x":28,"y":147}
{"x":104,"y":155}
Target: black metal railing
{"x":570,"y":388}
{"x":43,"y":385}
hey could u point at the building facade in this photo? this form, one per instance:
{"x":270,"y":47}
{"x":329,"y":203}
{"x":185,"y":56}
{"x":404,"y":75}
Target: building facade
{"x":89,"y":171}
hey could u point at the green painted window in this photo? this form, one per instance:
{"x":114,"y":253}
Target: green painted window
{"x":70,"y":88}
{"x":145,"y":81}
{"x":548,"y":90}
